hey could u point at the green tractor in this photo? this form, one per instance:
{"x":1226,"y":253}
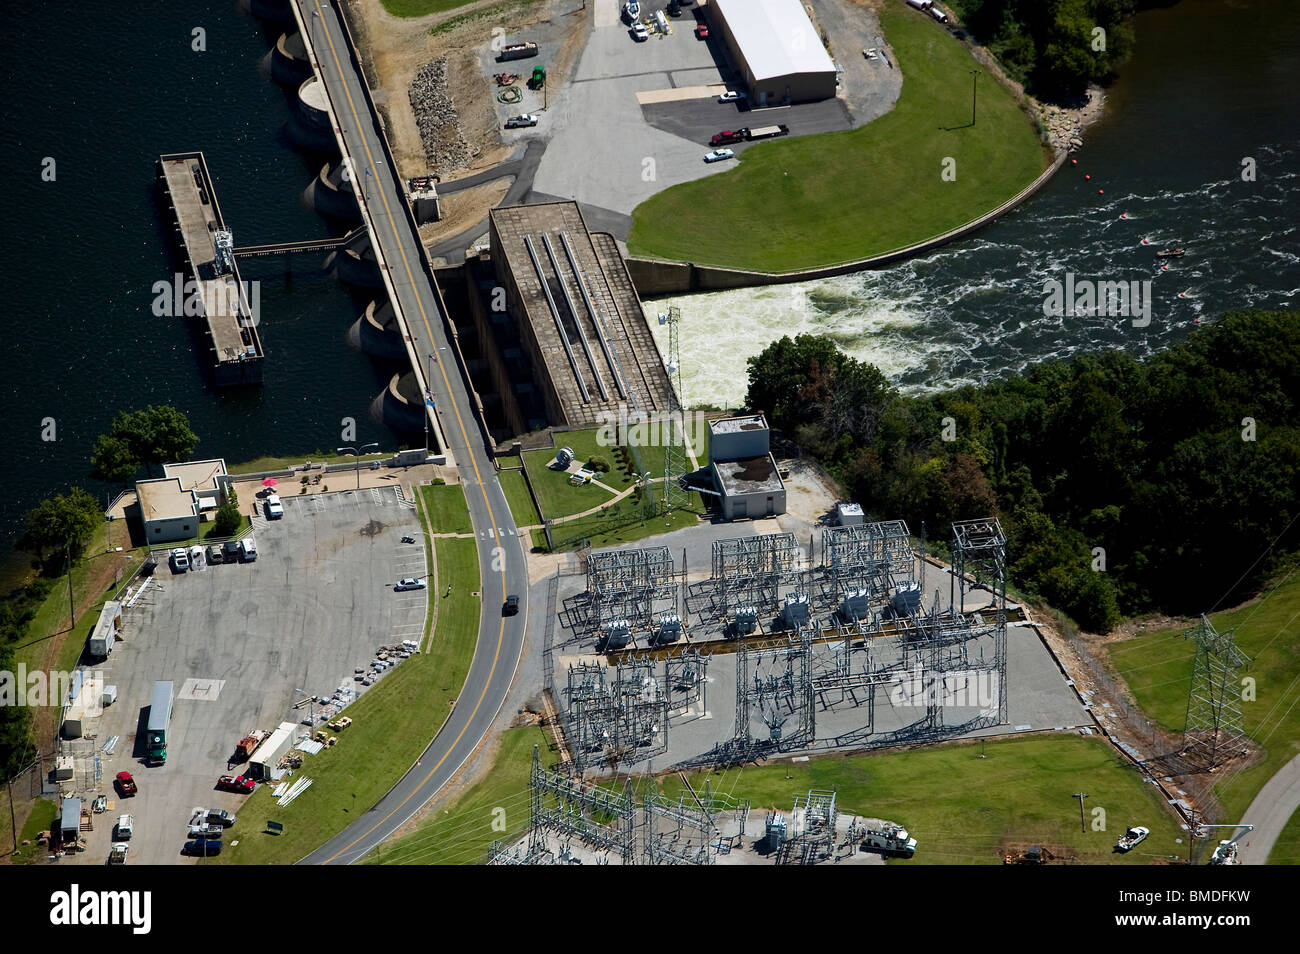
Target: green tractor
{"x":538,"y":79}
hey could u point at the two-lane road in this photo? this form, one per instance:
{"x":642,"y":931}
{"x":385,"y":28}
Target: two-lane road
{"x":501,"y":557}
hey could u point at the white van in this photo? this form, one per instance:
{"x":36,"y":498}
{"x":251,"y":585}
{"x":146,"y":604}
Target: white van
{"x":247,"y":550}
{"x":125,"y":827}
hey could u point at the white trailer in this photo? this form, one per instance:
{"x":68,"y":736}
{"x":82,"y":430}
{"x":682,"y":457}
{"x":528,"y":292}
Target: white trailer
{"x":263,"y":762}
{"x":104,"y":635}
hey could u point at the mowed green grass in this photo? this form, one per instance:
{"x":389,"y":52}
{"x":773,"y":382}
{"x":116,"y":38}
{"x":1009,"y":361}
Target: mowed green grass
{"x":962,"y":808}
{"x":817,"y":200}
{"x":494,"y":809}
{"x":420,"y":8}
{"x":618,"y":523}
{"x":521,"y":503}
{"x":448,"y":512}
{"x":1286,"y":850}
{"x":392,"y":723}
{"x":1158,"y":669}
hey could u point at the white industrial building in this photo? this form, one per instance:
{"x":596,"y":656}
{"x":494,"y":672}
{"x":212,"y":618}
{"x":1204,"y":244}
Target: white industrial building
{"x":775,"y":48}
{"x":172,"y":506}
{"x":744,"y":471}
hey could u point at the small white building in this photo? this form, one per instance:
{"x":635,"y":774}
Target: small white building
{"x":172,"y":506}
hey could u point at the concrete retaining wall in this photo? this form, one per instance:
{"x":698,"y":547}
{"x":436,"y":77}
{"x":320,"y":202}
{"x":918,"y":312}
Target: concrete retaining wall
{"x":657,"y":277}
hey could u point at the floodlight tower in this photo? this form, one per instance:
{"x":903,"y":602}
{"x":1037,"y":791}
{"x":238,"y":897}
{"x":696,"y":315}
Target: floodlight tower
{"x":675,"y":469}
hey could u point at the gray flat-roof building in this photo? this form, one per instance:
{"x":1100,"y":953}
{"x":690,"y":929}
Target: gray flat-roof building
{"x":775,"y":47}
{"x":579,"y":320}
{"x":743,"y":468}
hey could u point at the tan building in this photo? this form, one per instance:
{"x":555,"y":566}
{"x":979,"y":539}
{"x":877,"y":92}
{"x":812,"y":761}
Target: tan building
{"x":775,"y":47}
{"x":173,"y":506}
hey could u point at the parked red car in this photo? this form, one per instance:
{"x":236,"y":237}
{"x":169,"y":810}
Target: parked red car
{"x":126,"y":784}
{"x":240,"y":784}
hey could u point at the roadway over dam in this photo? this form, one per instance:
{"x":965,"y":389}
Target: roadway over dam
{"x":420,"y":313}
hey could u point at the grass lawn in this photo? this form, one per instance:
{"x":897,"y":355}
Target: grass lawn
{"x":1286,"y":850}
{"x":392,"y":723}
{"x":446,"y":508}
{"x":50,"y":645}
{"x":494,"y":809}
{"x":1158,"y":669}
{"x":961,"y":807}
{"x":521,"y":503}
{"x":617,"y":523}
{"x":559,"y":498}
{"x":818,"y":200}
{"x":419,"y":8}
{"x":41,"y":818}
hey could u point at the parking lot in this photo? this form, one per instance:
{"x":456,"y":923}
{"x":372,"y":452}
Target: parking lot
{"x":239,"y":640}
{"x":636,"y":118}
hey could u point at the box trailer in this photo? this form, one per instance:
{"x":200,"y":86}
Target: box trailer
{"x":518,"y":51}
{"x":160,"y":720}
{"x":263,"y":762}
{"x":106,"y":629}
{"x":87,"y":704}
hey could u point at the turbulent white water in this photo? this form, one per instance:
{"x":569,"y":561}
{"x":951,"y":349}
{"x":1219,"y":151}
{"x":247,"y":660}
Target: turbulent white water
{"x":974,"y":310}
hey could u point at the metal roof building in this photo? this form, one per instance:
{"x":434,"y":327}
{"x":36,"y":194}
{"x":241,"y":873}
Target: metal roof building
{"x":775,"y":47}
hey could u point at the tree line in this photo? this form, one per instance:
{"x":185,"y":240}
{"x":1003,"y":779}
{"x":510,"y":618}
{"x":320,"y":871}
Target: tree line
{"x":57,"y":530}
{"x":1124,"y":486}
{"x":1053,"y":47}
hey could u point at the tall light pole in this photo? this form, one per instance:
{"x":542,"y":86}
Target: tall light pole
{"x":973,"y":74}
{"x":356,"y":453}
{"x":311,"y":707}
{"x":1082,"y":823}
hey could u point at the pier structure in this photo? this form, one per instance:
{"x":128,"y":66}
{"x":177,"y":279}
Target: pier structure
{"x":214,"y":291}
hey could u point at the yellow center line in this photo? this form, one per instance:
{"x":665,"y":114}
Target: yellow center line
{"x":463,"y":433}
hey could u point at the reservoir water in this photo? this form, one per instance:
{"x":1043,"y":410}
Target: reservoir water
{"x":103,"y":88}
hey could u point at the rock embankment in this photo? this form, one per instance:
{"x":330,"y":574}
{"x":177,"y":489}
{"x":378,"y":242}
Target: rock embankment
{"x":445,"y":148}
{"x":1065,"y":126}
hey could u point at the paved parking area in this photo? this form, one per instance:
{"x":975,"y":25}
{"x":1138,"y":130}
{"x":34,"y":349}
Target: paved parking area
{"x":238,"y":640}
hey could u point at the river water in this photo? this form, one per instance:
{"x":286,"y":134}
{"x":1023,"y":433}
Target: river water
{"x":1211,"y":83}
{"x":103,"y":87}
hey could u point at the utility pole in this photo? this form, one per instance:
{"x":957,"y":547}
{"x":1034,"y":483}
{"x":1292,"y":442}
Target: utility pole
{"x":1083,"y":824}
{"x":72,"y":610}
{"x":973,"y":74}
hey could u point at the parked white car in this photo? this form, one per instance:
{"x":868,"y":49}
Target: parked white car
{"x":410,"y":583}
{"x":274,"y":509}
{"x":718,"y":155}
{"x":731,"y":96}
{"x":180,"y":560}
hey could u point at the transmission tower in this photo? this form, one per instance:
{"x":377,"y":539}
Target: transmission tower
{"x":675,"y":466}
{"x":1214,"y":729}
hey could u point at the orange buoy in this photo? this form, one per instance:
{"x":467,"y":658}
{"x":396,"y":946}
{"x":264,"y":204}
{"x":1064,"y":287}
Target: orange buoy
{"x":1123,"y":215}
{"x":1074,"y":162}
{"x":1101,"y":191}
{"x":1164,"y":268}
{"x":1087,"y":177}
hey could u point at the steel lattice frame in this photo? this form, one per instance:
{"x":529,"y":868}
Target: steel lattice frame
{"x":815,"y":815}
{"x":1214,"y":729}
{"x":675,"y":466}
{"x":781,"y":688}
{"x":616,"y":714}
{"x":633,"y":585}
{"x":566,"y":806}
{"x":750,"y":571}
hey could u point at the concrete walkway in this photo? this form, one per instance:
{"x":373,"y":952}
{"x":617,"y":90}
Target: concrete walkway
{"x":1272,"y":808}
